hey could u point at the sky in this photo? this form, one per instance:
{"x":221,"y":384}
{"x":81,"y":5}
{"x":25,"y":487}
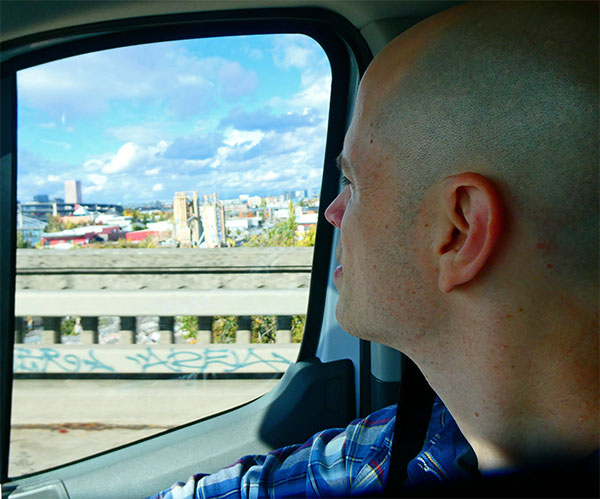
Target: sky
{"x":232,"y":115}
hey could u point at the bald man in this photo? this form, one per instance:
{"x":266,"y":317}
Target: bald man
{"x":469,"y":241}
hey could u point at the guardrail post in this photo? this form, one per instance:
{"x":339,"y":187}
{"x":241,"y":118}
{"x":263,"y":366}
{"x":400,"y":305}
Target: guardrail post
{"x":204,"y":330}
{"x":127,"y":332}
{"x":166,"y":328}
{"x":51,"y":332}
{"x":89,"y":333}
{"x":284,"y":329}
{"x":243,"y":334}
{"x":19,"y":330}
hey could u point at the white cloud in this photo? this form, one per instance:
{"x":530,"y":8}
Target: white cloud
{"x":276,"y":159}
{"x":125,"y":158}
{"x":165,"y":74}
{"x":150,"y":132}
{"x":314,"y":96}
{"x":53,"y":178}
{"x":91,"y":189}
{"x":197,"y":164}
{"x":97,"y":179}
{"x":57,"y":143}
{"x":234,"y":81}
{"x":270,"y":175}
{"x":293,"y":51}
{"x":236,"y":137}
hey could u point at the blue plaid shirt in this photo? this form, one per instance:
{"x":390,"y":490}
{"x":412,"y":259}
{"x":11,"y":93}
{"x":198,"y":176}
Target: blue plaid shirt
{"x":338,"y":462}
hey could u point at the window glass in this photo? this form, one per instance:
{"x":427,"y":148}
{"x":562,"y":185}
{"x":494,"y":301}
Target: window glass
{"x":167,"y":208}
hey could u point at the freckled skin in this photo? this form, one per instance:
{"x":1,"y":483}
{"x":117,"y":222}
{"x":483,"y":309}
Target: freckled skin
{"x":512,"y":349}
{"x":375,"y":248}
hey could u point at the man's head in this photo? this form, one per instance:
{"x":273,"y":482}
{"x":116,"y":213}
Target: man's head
{"x":473,"y":166}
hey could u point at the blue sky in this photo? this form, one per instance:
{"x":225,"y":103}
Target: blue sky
{"x":232,"y":115}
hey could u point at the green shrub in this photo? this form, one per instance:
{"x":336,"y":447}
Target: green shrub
{"x":264,"y":328}
{"x":224,"y":328}
{"x":298,"y":323}
{"x":67,"y":326}
{"x":188,"y":324}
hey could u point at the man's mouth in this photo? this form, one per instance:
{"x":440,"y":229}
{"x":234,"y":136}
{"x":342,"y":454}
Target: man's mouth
{"x":338,"y":256}
{"x":338,"y":271}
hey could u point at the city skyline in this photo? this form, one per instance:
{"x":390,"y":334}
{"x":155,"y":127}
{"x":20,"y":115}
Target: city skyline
{"x":42,"y":197}
{"x":233,"y":115}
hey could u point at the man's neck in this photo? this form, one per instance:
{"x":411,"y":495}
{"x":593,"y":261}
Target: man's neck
{"x":520,"y":399}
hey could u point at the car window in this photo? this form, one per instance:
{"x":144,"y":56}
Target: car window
{"x":167,"y":206}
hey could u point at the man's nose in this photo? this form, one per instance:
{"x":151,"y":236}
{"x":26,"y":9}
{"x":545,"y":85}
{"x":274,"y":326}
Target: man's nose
{"x":335,"y":211}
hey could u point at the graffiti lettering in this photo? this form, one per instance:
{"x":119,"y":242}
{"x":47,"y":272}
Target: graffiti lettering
{"x":151,"y":359}
{"x":206,"y":360}
{"x":51,"y":360}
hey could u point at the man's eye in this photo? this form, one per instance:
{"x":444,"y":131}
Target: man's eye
{"x":345,"y":181}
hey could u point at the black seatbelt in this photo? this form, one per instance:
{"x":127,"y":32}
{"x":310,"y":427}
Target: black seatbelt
{"x":412,"y":419}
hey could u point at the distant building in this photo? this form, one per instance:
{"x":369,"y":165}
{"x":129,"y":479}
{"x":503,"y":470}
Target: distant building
{"x":73,"y":191}
{"x":41,"y":211}
{"x":82,"y":235}
{"x":290,"y":195}
{"x":186,"y":219}
{"x":30,"y":229}
{"x":41,"y":198}
{"x":140,"y":235}
{"x":213,"y":222}
{"x":199,"y":224}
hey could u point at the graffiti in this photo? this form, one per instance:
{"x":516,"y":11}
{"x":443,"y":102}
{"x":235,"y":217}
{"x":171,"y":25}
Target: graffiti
{"x":228,"y":360}
{"x":41,"y":360}
{"x":151,"y":360}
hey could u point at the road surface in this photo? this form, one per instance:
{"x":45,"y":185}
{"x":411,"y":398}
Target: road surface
{"x":58,"y":421}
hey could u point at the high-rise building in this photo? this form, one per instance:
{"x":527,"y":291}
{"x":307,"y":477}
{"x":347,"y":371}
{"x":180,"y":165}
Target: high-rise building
{"x":73,"y":191}
{"x":187,"y":219}
{"x":212,"y":212}
{"x":41,"y":198}
{"x":199,"y":225}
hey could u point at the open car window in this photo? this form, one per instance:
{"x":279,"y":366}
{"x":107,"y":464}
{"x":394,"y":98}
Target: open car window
{"x":168,"y":197}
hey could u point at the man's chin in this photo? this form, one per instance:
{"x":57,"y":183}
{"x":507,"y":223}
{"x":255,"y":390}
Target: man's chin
{"x":341,"y":315}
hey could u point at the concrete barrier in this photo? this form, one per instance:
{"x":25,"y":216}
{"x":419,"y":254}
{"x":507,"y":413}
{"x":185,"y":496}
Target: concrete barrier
{"x":212,"y":302}
{"x":153,"y":359}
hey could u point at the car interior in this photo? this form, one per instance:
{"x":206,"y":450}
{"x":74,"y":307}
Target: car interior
{"x":336,"y":377}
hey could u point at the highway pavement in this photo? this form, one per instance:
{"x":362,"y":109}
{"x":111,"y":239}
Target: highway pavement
{"x":58,"y":421}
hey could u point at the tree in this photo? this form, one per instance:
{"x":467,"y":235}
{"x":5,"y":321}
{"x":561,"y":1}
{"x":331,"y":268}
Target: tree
{"x":21,"y":241}
{"x":54,"y":224}
{"x":67,"y":326}
{"x":281,"y":234}
{"x":298,"y":323}
{"x":224,"y":328}
{"x":264,"y":328}
{"x":189,"y":326}
{"x":308,"y":239}
{"x":148,"y":242}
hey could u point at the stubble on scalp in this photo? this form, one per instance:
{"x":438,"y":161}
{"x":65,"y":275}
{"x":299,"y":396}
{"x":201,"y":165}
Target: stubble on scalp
{"x":508,"y":90}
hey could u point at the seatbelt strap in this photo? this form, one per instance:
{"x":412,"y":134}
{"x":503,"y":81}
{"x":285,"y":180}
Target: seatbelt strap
{"x":412,"y":419}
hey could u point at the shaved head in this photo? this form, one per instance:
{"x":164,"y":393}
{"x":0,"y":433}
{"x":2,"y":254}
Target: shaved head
{"x":508,"y":90}
{"x":469,"y":222}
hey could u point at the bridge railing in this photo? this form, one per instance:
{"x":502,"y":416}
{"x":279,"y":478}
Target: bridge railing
{"x":171,"y":352}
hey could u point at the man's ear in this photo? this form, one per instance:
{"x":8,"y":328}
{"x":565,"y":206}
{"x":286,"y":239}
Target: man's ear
{"x":472,"y":222}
